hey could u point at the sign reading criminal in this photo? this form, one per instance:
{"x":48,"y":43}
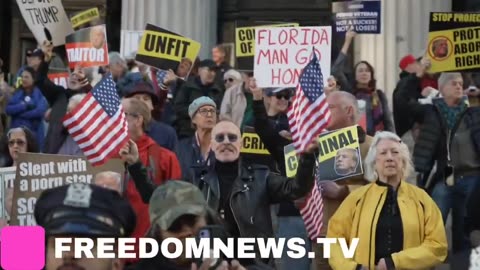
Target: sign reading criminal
{"x":166,"y":50}
{"x":88,"y":47}
{"x":281,"y":53}
{"x":454,"y":41}
{"x":46,"y":19}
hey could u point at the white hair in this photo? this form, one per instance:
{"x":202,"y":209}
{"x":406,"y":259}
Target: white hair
{"x":446,"y":77}
{"x":116,"y":58}
{"x":234,"y":74}
{"x":109,"y":174}
{"x":369,"y":166}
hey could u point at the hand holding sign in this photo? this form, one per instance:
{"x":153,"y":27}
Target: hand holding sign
{"x":129,"y":153}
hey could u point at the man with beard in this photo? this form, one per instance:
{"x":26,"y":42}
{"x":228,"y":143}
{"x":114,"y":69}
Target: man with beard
{"x":346,"y":161}
{"x":242,"y":194}
{"x":82,"y":210}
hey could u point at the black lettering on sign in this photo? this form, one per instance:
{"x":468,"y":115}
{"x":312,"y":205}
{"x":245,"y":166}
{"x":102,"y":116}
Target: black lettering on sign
{"x":466,"y":34}
{"x":246,"y":142}
{"x":166,"y":45}
{"x":467,"y":61}
{"x":43,"y":15}
{"x":335,"y":143}
{"x":470,"y":47}
{"x":292,"y":163}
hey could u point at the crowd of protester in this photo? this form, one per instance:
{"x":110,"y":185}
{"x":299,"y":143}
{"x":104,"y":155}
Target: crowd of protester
{"x":184,"y":168}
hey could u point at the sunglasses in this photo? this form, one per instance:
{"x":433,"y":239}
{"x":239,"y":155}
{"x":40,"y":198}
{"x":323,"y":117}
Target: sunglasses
{"x":219,"y":138}
{"x":228,"y":80}
{"x":18,"y":142}
{"x":280,"y":96}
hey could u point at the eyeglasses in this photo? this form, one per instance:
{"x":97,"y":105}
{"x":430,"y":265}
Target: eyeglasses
{"x":280,"y":96}
{"x":205,"y":112}
{"x":219,"y":138}
{"x":18,"y":142}
{"x":131,"y":114}
{"x":228,"y":80}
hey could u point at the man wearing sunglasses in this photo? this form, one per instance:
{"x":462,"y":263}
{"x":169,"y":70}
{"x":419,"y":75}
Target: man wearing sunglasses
{"x":243,"y":194}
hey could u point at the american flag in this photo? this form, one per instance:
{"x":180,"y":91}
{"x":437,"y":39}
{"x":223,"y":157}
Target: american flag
{"x":98,"y":124}
{"x":312,"y":212}
{"x":309,"y":114}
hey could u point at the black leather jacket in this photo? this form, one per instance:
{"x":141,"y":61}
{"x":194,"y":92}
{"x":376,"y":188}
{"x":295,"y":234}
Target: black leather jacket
{"x":254,"y":191}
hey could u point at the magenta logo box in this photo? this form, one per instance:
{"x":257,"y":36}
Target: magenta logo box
{"x":22,"y":248}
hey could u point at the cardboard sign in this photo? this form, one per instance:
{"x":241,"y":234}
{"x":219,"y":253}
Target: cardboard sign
{"x":59,"y":77}
{"x":339,"y":155}
{"x":129,"y":41}
{"x":252,"y":144}
{"x":253,"y":151}
{"x":7,"y":177}
{"x":281,"y":53}
{"x":245,"y":43}
{"x":85,"y":17}
{"x":166,"y":50}
{"x":38,"y":172}
{"x":363,"y":16}
{"x":454,"y":41}
{"x":46,"y":19}
{"x":88,"y":47}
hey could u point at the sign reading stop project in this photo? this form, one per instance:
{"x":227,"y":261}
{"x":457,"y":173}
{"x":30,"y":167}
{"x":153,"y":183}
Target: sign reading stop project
{"x":39,"y":172}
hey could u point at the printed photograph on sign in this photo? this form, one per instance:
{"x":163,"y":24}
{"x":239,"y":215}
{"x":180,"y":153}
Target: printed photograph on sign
{"x":166,"y":50}
{"x":38,"y":172}
{"x":453,"y":42}
{"x":363,"y":16}
{"x":47,"y":20}
{"x":281,"y":53}
{"x":88,"y":47}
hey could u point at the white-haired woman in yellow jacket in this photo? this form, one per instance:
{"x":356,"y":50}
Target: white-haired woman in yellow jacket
{"x":398,"y":225}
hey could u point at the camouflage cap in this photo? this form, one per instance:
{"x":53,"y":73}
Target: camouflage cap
{"x":174,"y":199}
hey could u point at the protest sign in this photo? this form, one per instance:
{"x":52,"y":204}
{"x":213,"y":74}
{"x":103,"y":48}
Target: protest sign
{"x":7,"y":177}
{"x":281,"y":53}
{"x":39,"y":172}
{"x":85,"y":17}
{"x":253,"y":150}
{"x":88,"y":47}
{"x":252,"y":144}
{"x":363,"y":16}
{"x":166,"y":50}
{"x":129,"y":41}
{"x":46,"y":19}
{"x":59,"y":76}
{"x":339,"y":155}
{"x":454,"y":41}
{"x":245,"y":43}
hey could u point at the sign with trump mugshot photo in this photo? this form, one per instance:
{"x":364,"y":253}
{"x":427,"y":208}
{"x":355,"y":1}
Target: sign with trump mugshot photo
{"x":454,"y":41}
{"x":166,"y":50}
{"x":339,"y":155}
{"x":38,"y":172}
{"x":88,"y":47}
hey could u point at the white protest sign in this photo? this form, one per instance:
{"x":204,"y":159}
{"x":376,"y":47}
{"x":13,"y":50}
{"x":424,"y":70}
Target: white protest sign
{"x":281,"y":53}
{"x":7,"y":177}
{"x":129,"y":42}
{"x":46,"y":19}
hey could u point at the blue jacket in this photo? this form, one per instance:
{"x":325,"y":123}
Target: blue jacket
{"x":191,"y":160}
{"x":163,"y":134}
{"x":29,"y":114}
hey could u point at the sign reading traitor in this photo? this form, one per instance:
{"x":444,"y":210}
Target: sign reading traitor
{"x":39,"y":172}
{"x":363,"y":16}
{"x":46,"y":19}
{"x":281,"y":53}
{"x":88,"y":47}
{"x":166,"y":50}
{"x":454,"y":41}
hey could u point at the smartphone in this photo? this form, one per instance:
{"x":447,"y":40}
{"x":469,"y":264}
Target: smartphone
{"x":212,"y":232}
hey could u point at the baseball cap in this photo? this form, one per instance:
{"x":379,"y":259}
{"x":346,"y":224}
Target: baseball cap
{"x":407,"y":60}
{"x":273,"y":90}
{"x":38,"y":52}
{"x":198,"y":103}
{"x":208,"y":63}
{"x":174,"y":199}
{"x":84,"y":209}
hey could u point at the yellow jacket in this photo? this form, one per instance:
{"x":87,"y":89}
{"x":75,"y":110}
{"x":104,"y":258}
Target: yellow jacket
{"x":424,"y":238}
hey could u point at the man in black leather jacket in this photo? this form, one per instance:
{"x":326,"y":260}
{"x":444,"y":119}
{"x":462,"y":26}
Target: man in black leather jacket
{"x":243,"y":194}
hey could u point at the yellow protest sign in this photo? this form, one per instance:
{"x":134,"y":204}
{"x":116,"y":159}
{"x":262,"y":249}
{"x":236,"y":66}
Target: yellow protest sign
{"x":85,"y":17}
{"x":245,"y":39}
{"x":330,"y":143}
{"x":454,"y":41}
{"x":165,"y":50}
{"x":291,"y":160}
{"x":253,"y":145}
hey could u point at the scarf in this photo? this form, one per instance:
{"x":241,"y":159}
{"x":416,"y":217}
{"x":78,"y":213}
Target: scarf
{"x":371,"y":96}
{"x":451,"y":113}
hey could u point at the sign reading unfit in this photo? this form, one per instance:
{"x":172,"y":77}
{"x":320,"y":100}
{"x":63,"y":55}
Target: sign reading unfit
{"x":88,"y":47}
{"x":166,"y":50}
{"x":281,"y":53}
{"x":46,"y":19}
{"x":39,"y":172}
{"x":454,"y":41}
{"x":363,"y":16}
